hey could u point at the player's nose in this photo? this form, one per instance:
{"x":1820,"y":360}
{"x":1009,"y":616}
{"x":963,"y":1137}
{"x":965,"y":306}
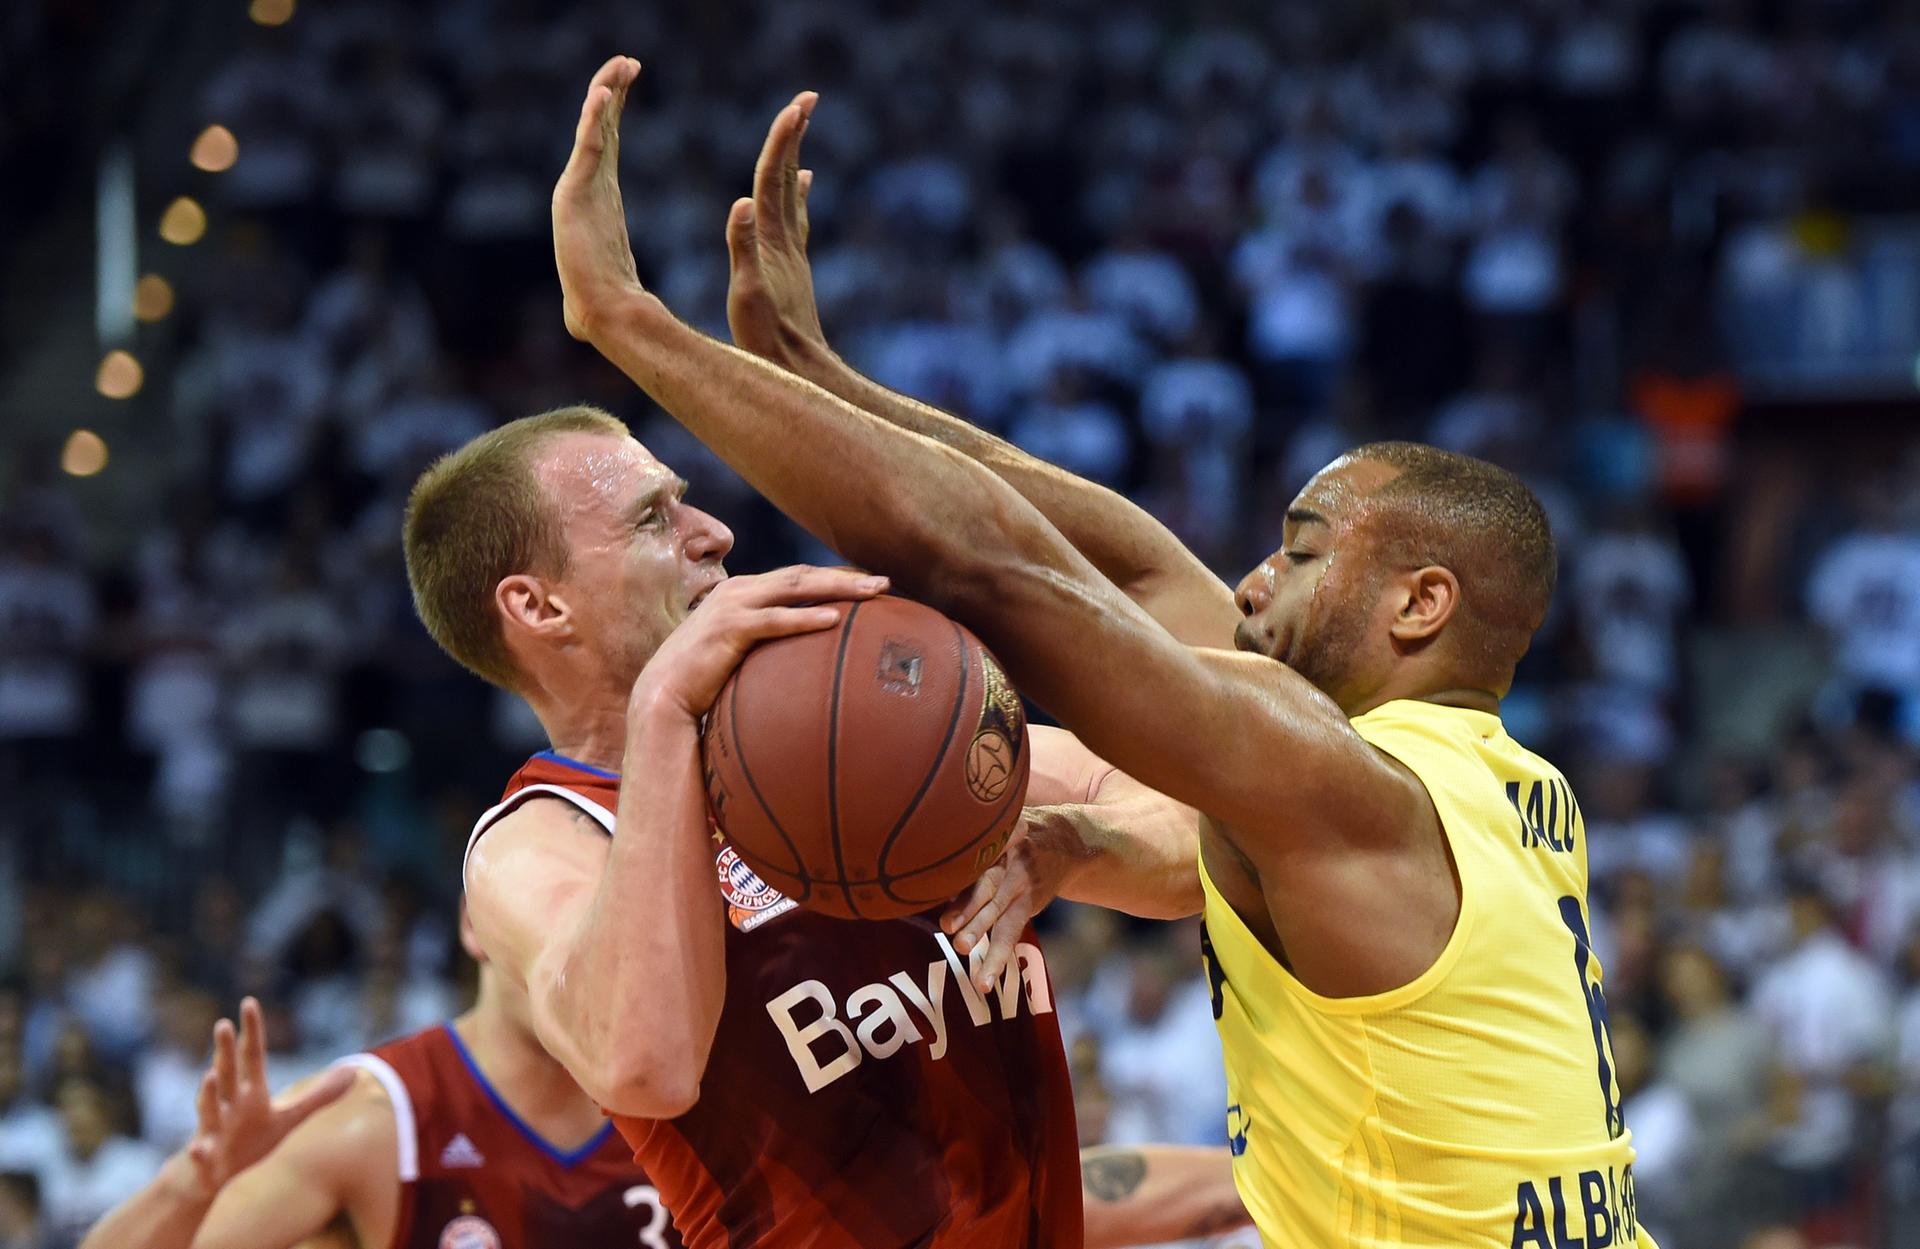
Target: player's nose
{"x":1254,"y":593}
{"x":707,"y":538}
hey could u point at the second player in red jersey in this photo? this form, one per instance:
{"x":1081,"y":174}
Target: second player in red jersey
{"x":465,"y":1136}
{"x":473,"y":1172}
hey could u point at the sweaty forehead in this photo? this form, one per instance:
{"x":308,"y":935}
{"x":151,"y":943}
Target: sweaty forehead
{"x":1338,"y":491}
{"x":585,"y":470}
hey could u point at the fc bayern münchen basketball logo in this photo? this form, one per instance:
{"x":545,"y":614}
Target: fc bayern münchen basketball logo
{"x":741,"y":884}
{"x":469,"y":1231}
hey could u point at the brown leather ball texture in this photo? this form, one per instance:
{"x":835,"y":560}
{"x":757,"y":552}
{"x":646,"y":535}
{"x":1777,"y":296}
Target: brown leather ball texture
{"x":871,"y":770}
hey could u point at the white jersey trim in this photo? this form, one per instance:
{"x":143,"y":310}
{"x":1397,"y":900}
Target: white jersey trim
{"x":405,"y":1129}
{"x":493,"y":814}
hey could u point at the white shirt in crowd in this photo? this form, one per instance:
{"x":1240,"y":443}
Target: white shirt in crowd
{"x":1827,"y":1008}
{"x":1865,"y":591}
{"x":74,"y":1194}
{"x":1631,"y":589}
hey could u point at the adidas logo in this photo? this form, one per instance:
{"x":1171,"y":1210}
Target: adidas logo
{"x":460,"y":1152}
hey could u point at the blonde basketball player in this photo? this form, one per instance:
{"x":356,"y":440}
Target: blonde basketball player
{"x":1395,"y":890}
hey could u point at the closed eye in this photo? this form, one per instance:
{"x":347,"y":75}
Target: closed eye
{"x":1300,"y":557}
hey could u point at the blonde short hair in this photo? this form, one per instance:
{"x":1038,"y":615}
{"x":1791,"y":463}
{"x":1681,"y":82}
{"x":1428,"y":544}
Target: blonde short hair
{"x":478,"y":515}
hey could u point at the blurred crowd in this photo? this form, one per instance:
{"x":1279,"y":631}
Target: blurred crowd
{"x":1190,"y":254}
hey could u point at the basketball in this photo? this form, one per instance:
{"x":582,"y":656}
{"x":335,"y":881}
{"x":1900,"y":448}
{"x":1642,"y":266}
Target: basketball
{"x":870,"y":770}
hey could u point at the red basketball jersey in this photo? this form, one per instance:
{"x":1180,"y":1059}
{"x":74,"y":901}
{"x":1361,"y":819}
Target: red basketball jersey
{"x":861,"y":1092}
{"x":474,"y":1176}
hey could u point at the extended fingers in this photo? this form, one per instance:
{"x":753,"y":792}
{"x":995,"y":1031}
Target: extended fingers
{"x":776,"y":173}
{"x":992,"y":962}
{"x":617,"y":76}
{"x":207,"y":1105}
{"x":253,"y":1044}
{"x":956,"y":917}
{"x":993,"y":893}
{"x":599,"y":127}
{"x":226,"y":1067}
{"x":740,"y":236}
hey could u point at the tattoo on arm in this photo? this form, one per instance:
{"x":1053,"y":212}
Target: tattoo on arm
{"x":1115,"y":1176}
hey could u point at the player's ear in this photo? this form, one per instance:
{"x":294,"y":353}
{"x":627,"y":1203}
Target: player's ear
{"x":528,"y":604}
{"x":1432,"y":597}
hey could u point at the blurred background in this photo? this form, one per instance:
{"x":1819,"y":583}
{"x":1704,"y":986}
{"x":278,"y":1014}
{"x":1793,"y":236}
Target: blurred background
{"x":264,"y":261}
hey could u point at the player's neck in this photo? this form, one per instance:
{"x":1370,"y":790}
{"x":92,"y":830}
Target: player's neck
{"x":1448,"y":696}
{"x":592,"y":729}
{"x":537,"y":1087}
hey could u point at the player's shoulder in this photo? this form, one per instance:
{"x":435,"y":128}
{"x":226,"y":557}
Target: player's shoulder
{"x":351,"y":1138}
{"x":551,"y":806}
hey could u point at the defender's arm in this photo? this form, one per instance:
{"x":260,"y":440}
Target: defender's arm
{"x":771,"y":310}
{"x":1238,"y":736}
{"x":1147,"y":1194}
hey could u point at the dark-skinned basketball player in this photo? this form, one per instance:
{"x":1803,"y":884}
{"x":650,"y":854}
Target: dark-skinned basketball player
{"x":1395,"y":890}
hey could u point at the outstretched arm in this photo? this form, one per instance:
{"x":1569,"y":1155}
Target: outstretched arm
{"x":260,"y":1173}
{"x":1147,"y":1194}
{"x":1238,"y":736}
{"x":771,"y":310}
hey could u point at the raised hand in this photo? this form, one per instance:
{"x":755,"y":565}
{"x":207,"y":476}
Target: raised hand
{"x":590,"y":244}
{"x":239,"y":1122}
{"x":695,"y":661}
{"x":770,"y":303}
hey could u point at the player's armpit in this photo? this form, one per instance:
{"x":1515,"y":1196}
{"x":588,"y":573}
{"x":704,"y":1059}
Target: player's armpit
{"x":1147,"y":1194}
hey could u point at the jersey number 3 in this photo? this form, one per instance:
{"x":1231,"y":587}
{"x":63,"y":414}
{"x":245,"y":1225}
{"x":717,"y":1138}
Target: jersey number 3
{"x":653,"y":1235}
{"x":1583,"y":960}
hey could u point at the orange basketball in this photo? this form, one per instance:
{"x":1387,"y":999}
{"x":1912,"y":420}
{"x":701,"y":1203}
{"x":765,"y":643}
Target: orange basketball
{"x":870,"y":770}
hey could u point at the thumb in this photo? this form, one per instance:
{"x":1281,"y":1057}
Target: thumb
{"x":743,"y":238}
{"x":324,"y":1092}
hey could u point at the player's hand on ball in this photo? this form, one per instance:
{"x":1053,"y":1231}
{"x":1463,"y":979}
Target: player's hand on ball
{"x":1022,"y":881}
{"x":590,"y":245}
{"x":770,"y":303}
{"x":239,"y":1123}
{"x":694,"y":663}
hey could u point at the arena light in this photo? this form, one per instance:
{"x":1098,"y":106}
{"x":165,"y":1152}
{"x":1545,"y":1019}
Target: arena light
{"x":215,"y":150}
{"x":152,"y":298}
{"x":120,"y":376}
{"x":271,"y":12}
{"x":184,"y":222}
{"x":84,"y":455}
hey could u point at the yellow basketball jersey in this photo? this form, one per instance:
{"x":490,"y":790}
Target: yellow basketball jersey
{"x":1476,"y":1106}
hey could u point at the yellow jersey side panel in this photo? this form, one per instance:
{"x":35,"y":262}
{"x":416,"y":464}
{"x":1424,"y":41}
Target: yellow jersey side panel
{"x":1475,"y":1106}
